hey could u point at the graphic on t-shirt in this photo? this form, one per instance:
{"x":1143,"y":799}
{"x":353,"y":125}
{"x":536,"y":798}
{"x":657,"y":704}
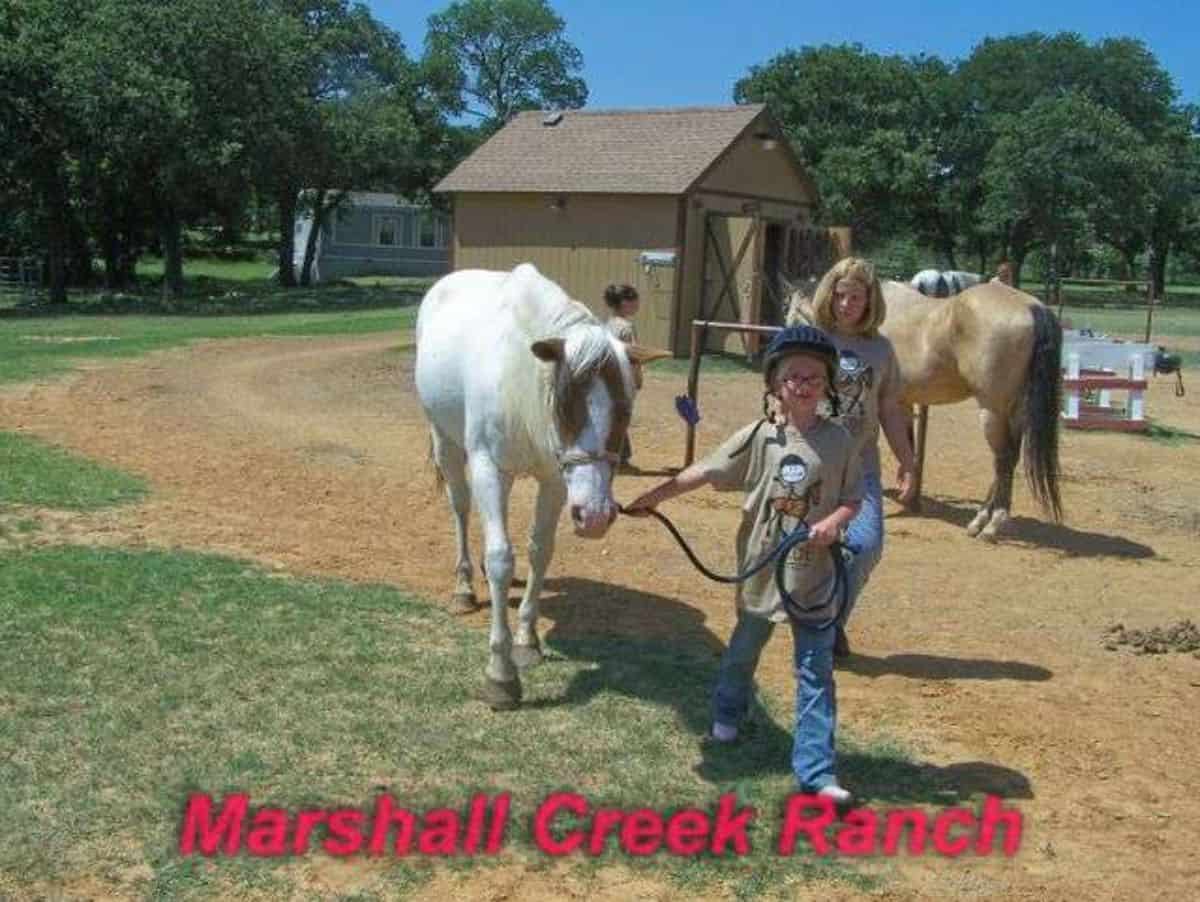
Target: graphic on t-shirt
{"x":855,"y":378}
{"x":793,"y":495}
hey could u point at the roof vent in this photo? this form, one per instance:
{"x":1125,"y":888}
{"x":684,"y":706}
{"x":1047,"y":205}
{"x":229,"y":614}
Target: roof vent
{"x":553,"y":118}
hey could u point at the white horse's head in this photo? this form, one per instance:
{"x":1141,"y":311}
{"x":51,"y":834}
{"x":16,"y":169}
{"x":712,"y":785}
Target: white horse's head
{"x":592,"y":398}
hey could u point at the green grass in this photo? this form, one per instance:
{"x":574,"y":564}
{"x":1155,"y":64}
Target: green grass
{"x":260,"y":270}
{"x":40,"y":475}
{"x":414,"y":284}
{"x":32,"y":348}
{"x":229,"y":270}
{"x":1131,"y":323}
{"x":134,"y":679}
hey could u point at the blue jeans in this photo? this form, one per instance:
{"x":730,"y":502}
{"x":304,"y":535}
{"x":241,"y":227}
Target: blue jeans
{"x":864,"y":538}
{"x":813,"y":754}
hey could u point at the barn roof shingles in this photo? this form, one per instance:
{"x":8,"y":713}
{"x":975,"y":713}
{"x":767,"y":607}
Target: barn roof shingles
{"x":603,"y":151}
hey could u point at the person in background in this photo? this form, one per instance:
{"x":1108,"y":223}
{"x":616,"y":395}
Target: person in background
{"x":623,"y":302}
{"x":848,"y":304}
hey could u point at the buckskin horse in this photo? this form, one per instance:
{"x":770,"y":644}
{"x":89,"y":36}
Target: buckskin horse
{"x":516,"y":379}
{"x":997,"y":345}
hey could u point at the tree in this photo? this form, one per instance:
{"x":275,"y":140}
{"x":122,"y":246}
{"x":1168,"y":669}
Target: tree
{"x":175,"y":97}
{"x":358,"y":114}
{"x":1054,"y":166}
{"x":1174,"y":177}
{"x":37,"y":127}
{"x":864,"y":126}
{"x":1005,"y":77}
{"x":503,"y":56}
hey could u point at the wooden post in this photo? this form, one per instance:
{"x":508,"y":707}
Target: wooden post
{"x":699,"y":329}
{"x":693,"y":388}
{"x":1150,"y":299}
{"x":919,"y":453}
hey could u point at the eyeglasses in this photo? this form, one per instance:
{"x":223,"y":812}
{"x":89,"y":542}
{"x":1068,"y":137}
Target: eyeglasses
{"x":810,"y":381}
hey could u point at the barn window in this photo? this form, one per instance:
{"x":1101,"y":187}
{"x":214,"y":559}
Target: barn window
{"x":409,"y":235}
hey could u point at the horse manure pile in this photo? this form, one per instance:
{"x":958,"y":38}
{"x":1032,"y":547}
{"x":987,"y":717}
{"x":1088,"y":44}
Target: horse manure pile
{"x":1183,"y":636}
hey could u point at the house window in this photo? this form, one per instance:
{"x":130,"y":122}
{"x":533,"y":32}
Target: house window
{"x":387,"y":231}
{"x":427,"y":231}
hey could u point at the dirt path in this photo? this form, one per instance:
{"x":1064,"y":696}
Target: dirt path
{"x":987,"y":660}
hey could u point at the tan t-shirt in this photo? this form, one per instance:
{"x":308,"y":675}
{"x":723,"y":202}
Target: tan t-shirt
{"x":868,"y":373}
{"x":787,"y":476}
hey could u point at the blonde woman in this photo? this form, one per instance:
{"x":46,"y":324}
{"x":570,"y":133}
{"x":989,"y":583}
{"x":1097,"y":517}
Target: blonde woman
{"x":848,"y":304}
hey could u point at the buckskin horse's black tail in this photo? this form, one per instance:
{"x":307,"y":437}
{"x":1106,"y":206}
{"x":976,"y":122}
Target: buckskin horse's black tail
{"x":1043,"y":403}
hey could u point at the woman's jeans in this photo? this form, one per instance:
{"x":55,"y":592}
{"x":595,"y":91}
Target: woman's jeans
{"x":864,"y":540}
{"x":813,"y":754}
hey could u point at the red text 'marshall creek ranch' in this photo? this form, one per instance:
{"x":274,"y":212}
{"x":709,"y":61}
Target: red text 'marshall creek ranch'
{"x":566,"y":823}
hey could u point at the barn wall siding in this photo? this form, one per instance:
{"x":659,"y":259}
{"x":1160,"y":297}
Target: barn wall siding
{"x":591,"y":242}
{"x":750,"y":170}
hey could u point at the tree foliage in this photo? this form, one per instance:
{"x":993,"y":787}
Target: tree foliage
{"x":500,"y":57}
{"x":124,"y":120}
{"x":854,"y":118}
{"x":1034,"y":140}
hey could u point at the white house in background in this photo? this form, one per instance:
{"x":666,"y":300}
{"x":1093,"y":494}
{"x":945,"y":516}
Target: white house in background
{"x":377,"y":234}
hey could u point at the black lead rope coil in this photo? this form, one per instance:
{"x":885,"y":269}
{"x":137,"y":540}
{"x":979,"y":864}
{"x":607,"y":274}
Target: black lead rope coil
{"x":798,"y":536}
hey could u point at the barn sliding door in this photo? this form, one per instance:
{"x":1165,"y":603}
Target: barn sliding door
{"x":729,"y":292}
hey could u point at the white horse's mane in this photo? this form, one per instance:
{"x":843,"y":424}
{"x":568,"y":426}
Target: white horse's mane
{"x":543,"y":310}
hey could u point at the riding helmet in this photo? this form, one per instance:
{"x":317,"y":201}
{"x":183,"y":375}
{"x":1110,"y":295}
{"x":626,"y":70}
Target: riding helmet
{"x":800,"y":340}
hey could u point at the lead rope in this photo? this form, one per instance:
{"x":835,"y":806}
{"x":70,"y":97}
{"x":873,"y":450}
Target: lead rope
{"x":838,"y":593}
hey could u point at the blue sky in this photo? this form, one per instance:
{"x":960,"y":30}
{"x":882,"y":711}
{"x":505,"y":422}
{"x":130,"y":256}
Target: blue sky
{"x":691,"y":52}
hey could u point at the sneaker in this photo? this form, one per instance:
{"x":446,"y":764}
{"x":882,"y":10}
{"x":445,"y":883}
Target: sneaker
{"x":723,"y":732}
{"x":841,"y":645}
{"x":836,"y":794}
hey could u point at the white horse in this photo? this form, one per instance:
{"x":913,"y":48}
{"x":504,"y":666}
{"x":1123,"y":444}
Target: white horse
{"x":937,"y":283}
{"x":518,"y":379}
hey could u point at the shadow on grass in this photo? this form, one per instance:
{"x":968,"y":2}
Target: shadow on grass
{"x":674,"y":665}
{"x":1056,"y":536}
{"x":710,"y":362}
{"x":1170,"y":435}
{"x":206,"y":296}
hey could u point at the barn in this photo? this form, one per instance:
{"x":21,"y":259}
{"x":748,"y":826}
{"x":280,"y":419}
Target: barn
{"x":698,"y":208}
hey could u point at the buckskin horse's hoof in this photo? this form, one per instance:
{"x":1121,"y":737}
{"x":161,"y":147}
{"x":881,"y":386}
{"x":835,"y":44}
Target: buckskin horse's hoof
{"x":464,"y":603}
{"x":501,"y":696}
{"x":526,"y":656}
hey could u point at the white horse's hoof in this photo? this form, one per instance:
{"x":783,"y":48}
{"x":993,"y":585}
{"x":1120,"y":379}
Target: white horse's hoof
{"x":976,"y":525}
{"x":501,"y":696}
{"x":527,"y":656}
{"x":464,"y":603}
